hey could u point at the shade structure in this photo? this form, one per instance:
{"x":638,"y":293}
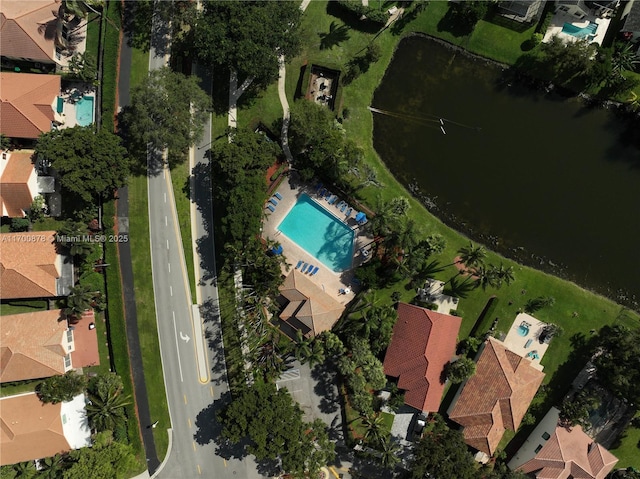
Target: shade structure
{"x":277,"y":249}
{"x":360,"y":216}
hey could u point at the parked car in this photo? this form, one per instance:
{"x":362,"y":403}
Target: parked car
{"x":419,"y":425}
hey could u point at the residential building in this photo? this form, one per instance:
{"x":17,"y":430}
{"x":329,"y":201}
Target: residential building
{"x":555,"y":452}
{"x":576,"y":8}
{"x":496,"y":397}
{"x":42,"y":344}
{"x":18,"y":183}
{"x":422,"y":344}
{"x":38,"y":31}
{"x":32,"y":267}
{"x":31,"y":429}
{"x":523,"y":11}
{"x":306,"y":307}
{"x":29,"y":104}
{"x":631,"y":18}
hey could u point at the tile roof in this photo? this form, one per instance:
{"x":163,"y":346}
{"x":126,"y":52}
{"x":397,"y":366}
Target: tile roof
{"x":570,"y":453}
{"x":308,"y":304}
{"x":28,"y":29}
{"x":15,"y":195}
{"x":26,"y":106}
{"x":496,"y":397}
{"x":30,"y":429}
{"x":28,"y":269}
{"x":32,"y":345}
{"x":423,"y":342}
{"x":632,"y":20}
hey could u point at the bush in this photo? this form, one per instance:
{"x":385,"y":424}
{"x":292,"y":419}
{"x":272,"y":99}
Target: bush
{"x":19,"y":224}
{"x":61,"y":388}
{"x":482,"y":323}
{"x":460,"y":370}
{"x":278,"y":172}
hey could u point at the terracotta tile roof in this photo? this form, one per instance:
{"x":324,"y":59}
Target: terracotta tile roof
{"x":570,"y":453}
{"x":28,"y":269}
{"x":30,"y":429}
{"x":496,"y":397}
{"x":308,"y":304}
{"x":33,"y":345}
{"x":15,"y":196}
{"x":26,"y":109}
{"x":423,"y":342}
{"x":28,"y":29}
{"x":85,"y":340}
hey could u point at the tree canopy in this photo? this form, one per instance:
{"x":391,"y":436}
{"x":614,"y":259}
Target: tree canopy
{"x":61,"y":388}
{"x":619,"y":364}
{"x":442,"y":453}
{"x":90,"y":165}
{"x":276,"y":431}
{"x":168,"y":110}
{"x":107,"y":459}
{"x":240,"y":187}
{"x":247,"y":36}
{"x":460,"y":370}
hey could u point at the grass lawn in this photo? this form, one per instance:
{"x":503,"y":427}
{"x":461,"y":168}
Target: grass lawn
{"x":180,"y":178}
{"x":19,"y":307}
{"x":628,"y":451}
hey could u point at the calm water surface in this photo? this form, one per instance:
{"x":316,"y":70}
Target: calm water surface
{"x":537,"y":176}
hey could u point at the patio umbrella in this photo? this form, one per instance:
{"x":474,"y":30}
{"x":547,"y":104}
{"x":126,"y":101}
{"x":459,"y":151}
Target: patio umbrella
{"x":360,"y":216}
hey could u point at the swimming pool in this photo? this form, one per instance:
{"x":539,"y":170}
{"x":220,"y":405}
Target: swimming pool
{"x":84,"y":111}
{"x":319,"y":233}
{"x":580,"y":32}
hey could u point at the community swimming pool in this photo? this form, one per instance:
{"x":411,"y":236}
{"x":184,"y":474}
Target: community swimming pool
{"x":319,"y":233}
{"x":84,"y":111}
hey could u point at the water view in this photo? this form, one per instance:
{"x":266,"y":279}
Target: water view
{"x":545,"y":179}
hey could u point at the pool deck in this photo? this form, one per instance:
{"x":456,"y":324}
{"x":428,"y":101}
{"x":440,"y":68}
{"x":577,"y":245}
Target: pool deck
{"x":560,"y":18}
{"x":331,"y":282}
{"x":69,"y":110}
{"x":518,"y":344}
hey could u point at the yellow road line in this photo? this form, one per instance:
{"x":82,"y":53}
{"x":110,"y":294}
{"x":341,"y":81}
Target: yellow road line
{"x":194,"y":445}
{"x":185,"y":398}
{"x":189,"y":419}
{"x":225,"y":462}
{"x":199,"y":471}
{"x":211,"y":390}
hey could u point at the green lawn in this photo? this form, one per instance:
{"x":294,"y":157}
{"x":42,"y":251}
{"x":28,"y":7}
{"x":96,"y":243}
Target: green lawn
{"x":628,"y":452}
{"x":19,"y":307}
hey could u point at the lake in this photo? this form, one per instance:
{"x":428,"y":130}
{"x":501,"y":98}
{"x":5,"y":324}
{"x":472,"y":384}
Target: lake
{"x":544,"y":179}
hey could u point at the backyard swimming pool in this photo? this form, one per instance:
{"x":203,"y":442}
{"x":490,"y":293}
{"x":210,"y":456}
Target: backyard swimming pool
{"x":319,"y":233}
{"x":580,"y":32}
{"x":84,"y":111}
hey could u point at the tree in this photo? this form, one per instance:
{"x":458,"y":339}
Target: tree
{"x":624,"y":58}
{"x":389,"y":456}
{"x":373,"y":428}
{"x":276,"y":431}
{"x":568,"y":61}
{"x":460,"y":370}
{"x":107,"y":459}
{"x":168,"y":111}
{"x":247,"y":36}
{"x":73,"y":235}
{"x":19,"y":225}
{"x":106,"y":409}
{"x":22,"y":470}
{"x":485,"y":277}
{"x":82,"y":66}
{"x":52,"y":467}
{"x":502,"y":274}
{"x":62,"y":388}
{"x":37,"y":209}
{"x":471,"y":256}
{"x":78,"y":301}
{"x":576,"y":410}
{"x":5,"y":142}
{"x":90,"y":165}
{"x":335,"y":36}
{"x":549,"y":331}
{"x":442,"y":453}
{"x":618,"y":365}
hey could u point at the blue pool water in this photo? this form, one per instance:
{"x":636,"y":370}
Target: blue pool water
{"x":84,"y":111}
{"x":319,"y":233}
{"x":580,"y":32}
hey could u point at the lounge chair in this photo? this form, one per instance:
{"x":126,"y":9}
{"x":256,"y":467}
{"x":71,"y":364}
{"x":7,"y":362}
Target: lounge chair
{"x":322,"y":192}
{"x":349,"y":211}
{"x":304,"y":267}
{"x":343,"y":207}
{"x":328,"y":195}
{"x":333,"y":199}
{"x":271,"y":208}
{"x":299,"y":264}
{"x":310,"y":268}
{"x":278,"y":195}
{"x":339,"y":205}
{"x":315,"y":270}
{"x":273,"y":202}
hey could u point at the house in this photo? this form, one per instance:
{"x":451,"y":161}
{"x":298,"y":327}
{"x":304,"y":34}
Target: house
{"x":631,"y":18}
{"x":576,"y":8}
{"x":29,"y":104}
{"x":423,"y":342}
{"x":32,"y":267}
{"x":555,"y":452}
{"x":42,"y":344}
{"x":37,"y":31}
{"x":18,"y":183}
{"x":306,"y":307}
{"x":523,"y":11}
{"x":496,"y":397}
{"x":31,"y":429}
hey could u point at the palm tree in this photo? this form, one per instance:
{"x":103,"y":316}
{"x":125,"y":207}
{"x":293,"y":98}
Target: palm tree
{"x":25,"y":470}
{"x":502,"y":274}
{"x":107,"y":413}
{"x":51,"y":467}
{"x":471,"y":256}
{"x":624,"y":59}
{"x":374,"y":427}
{"x":316,"y":355}
{"x":390,"y":453}
{"x":484,"y":277}
{"x":459,"y":289}
{"x":302,"y":347}
{"x":337,"y":35}
{"x":78,"y":301}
